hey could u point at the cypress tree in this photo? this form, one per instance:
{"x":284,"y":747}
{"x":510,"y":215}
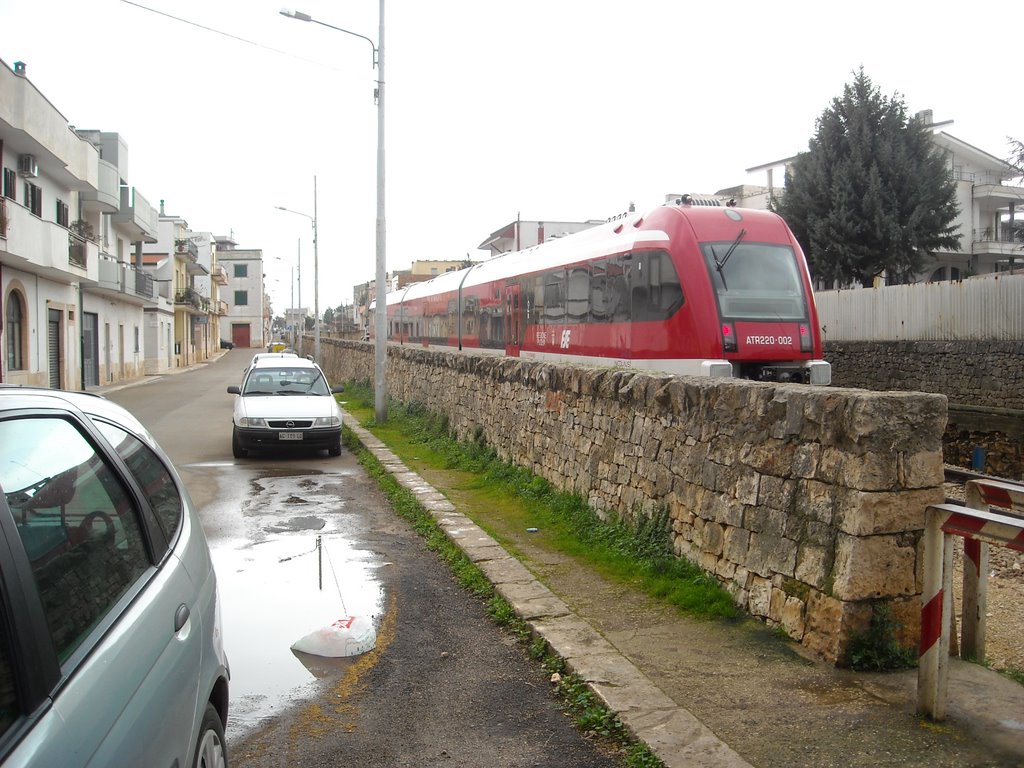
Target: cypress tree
{"x":872,"y":194}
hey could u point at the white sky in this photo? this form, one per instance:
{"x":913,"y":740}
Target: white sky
{"x":552,"y":109}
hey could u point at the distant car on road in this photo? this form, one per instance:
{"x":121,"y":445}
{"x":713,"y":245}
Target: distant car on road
{"x":285,"y":402}
{"x":110,"y":638}
{"x":225,"y":344}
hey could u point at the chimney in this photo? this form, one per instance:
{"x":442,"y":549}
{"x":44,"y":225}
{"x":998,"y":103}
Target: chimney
{"x":161,"y":207}
{"x":925,"y":116}
{"x":19,"y":68}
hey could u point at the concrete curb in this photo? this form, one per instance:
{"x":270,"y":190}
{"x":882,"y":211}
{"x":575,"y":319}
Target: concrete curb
{"x":672,"y":733}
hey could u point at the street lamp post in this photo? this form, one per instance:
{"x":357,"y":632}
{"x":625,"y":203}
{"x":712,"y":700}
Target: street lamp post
{"x":380,"y":316}
{"x":296,"y":342}
{"x":316,"y":276}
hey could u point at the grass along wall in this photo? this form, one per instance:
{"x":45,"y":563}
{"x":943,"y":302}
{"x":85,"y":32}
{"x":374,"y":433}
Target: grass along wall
{"x":807,"y":503}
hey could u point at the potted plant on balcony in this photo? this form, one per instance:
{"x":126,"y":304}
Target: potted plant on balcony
{"x":83,"y":229}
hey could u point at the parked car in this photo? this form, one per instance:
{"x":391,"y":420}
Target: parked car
{"x":285,"y":402}
{"x":110,"y":644}
{"x":225,"y":344}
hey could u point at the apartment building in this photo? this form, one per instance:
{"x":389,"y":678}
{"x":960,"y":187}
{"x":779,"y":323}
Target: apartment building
{"x":247,"y":319}
{"x":990,"y":208}
{"x":96,"y":286}
{"x":69,"y":226}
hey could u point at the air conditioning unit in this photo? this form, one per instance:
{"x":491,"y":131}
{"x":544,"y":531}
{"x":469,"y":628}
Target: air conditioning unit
{"x":27,"y":166}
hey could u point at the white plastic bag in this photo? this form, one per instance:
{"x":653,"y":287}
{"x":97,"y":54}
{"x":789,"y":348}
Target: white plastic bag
{"x":348,"y":636}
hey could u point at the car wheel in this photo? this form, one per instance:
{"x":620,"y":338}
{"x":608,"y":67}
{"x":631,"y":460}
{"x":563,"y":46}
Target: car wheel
{"x":210,"y":749}
{"x":236,"y":447}
{"x":335,"y":450}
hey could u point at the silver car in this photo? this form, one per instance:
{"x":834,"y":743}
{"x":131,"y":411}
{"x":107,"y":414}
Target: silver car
{"x":110,"y":636}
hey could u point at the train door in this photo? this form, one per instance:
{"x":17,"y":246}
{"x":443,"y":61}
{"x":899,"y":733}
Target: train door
{"x":513,"y":329}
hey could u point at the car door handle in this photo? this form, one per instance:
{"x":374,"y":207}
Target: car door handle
{"x":181,"y":617}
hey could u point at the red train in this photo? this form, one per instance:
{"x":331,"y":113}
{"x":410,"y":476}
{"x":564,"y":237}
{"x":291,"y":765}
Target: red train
{"x":693,"y":287}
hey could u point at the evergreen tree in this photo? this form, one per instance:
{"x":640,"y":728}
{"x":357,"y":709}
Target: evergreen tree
{"x":872,"y":193}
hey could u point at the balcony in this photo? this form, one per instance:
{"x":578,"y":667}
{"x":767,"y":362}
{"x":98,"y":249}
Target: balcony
{"x":221,"y":308}
{"x":124,"y":282}
{"x":3,"y":217}
{"x":187,"y":248}
{"x":219,"y":275}
{"x":136,"y":216}
{"x":47,"y":249}
{"x":192,"y":301}
{"x":107,"y":197}
{"x":990,"y":242}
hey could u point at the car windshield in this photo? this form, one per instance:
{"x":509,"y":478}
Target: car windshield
{"x":285,"y":381}
{"x":756,"y":280}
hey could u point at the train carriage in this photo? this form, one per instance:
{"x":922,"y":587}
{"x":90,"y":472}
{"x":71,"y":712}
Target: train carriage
{"x":688,"y":289}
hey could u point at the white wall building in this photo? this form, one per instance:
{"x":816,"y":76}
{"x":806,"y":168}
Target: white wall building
{"x":46,"y":251}
{"x":244,"y":293}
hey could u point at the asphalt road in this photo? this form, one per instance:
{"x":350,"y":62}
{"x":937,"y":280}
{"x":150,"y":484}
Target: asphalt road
{"x":300,"y":540}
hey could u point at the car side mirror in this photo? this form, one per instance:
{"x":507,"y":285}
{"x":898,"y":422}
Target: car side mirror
{"x":234,"y":390}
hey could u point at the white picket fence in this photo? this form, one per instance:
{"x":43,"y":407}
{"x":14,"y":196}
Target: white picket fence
{"x":988,"y":308}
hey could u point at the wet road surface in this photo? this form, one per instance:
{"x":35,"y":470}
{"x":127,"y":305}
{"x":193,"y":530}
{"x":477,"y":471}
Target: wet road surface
{"x":442,"y":685}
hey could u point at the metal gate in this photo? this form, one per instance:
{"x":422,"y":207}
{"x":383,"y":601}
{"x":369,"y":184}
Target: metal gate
{"x":53,"y":346}
{"x":90,"y":349}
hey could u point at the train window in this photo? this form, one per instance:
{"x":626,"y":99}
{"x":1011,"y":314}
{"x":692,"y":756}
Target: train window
{"x":577,"y":295}
{"x":617,"y":288}
{"x":554,"y":296}
{"x":756,"y":280}
{"x":598,"y":292}
{"x":656,"y":292}
{"x":535,"y":300}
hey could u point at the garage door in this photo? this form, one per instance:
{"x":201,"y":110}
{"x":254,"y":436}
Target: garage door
{"x":240,"y":334}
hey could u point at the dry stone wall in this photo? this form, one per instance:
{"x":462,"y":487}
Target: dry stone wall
{"x":807,"y":503}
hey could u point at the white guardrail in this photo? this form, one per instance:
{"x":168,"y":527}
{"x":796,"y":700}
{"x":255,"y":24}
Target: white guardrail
{"x":993,"y":514}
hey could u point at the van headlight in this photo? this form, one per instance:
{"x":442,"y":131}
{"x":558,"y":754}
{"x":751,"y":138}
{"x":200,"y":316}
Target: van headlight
{"x":327,"y":421}
{"x":251,"y":422}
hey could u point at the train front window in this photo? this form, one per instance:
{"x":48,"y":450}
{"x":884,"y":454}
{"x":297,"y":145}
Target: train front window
{"x":756,"y":281}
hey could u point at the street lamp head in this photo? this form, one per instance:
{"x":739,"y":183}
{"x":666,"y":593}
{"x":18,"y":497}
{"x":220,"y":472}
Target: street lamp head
{"x":296,"y":15}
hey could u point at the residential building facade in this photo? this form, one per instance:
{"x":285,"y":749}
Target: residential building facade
{"x":48,"y":247}
{"x":244,"y":295}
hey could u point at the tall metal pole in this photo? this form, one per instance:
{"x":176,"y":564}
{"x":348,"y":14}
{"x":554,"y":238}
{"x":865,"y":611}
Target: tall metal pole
{"x":380,"y":318}
{"x":302,"y":319}
{"x":316,"y":284}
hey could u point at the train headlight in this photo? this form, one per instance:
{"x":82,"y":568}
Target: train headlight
{"x":806,"y":342}
{"x":728,"y":337}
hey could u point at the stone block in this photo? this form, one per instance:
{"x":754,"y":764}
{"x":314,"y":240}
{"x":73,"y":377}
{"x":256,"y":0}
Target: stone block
{"x":872,"y":567}
{"x":862,"y":513}
{"x":813,"y":565}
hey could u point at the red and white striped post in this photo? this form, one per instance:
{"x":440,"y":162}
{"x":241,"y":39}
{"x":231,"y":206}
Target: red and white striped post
{"x":979,"y":526}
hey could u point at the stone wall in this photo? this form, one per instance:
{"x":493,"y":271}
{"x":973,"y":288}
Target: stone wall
{"x":807,"y":503}
{"x":978,"y":373}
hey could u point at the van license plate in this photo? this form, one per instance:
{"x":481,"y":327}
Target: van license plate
{"x":289,"y":435}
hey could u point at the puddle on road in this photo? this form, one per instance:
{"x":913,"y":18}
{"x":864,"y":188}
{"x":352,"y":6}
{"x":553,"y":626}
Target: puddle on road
{"x":274,"y":592}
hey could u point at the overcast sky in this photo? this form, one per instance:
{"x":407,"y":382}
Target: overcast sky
{"x":549,"y":109}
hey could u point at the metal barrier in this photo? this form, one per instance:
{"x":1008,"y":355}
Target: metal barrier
{"x":979,"y":525}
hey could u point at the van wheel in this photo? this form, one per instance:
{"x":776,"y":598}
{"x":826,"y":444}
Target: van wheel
{"x":211,"y":751}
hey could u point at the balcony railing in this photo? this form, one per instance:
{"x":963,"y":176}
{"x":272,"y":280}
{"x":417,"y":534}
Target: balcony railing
{"x":190,"y":297}
{"x":186,"y":247}
{"x":3,"y":217}
{"x":989,"y":235}
{"x":77,"y":251}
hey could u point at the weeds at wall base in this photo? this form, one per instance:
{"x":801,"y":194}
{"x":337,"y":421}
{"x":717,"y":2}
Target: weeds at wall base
{"x":586,"y":711}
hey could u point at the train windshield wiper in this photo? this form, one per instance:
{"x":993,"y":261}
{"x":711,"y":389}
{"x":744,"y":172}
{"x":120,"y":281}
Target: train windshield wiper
{"x":720,"y":263}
